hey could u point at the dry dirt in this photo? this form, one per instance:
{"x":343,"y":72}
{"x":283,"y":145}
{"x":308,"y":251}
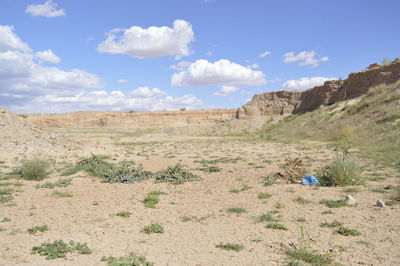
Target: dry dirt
{"x":89,"y":215}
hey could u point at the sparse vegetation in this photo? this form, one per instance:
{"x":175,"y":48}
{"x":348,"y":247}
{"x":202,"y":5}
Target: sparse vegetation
{"x":230,"y":246}
{"x":236,"y":210}
{"x":37,"y":229}
{"x":264,"y":195}
{"x":151,"y":199}
{"x":209,"y":169}
{"x":342,"y":172}
{"x":130,"y":260}
{"x":6,"y":195}
{"x":153,"y":228}
{"x":332,"y":224}
{"x":268,"y":217}
{"x":59,"y":249}
{"x":61,"y":194}
{"x":302,"y":201}
{"x":238,"y":190}
{"x":176,"y":174}
{"x":276,"y":226}
{"x":35,"y":169}
{"x":334,"y":203}
{"x":124,"y":214}
{"x":60,"y":183}
{"x":307,"y":256}
{"x":347,"y":232}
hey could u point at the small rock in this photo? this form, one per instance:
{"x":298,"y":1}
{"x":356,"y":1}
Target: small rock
{"x":350,"y":200}
{"x":380,"y":203}
{"x":334,"y":250}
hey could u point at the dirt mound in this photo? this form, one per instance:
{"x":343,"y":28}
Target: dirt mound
{"x":22,"y":139}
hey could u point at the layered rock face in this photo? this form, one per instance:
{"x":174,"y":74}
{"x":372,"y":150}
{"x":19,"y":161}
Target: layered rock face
{"x":162,"y":121}
{"x":293,"y":102}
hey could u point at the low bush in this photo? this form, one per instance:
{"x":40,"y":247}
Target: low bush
{"x":35,"y":169}
{"x":341,"y":172}
{"x":153,"y":228}
{"x":59,"y":249}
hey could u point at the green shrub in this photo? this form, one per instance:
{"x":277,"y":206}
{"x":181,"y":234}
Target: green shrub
{"x":342,"y":172}
{"x":153,"y":228}
{"x":230,"y":246}
{"x":276,"y":226}
{"x":236,"y":210}
{"x":35,"y":169}
{"x":123,"y":214}
{"x":37,"y":229}
{"x":176,"y":174}
{"x":59,"y":249}
{"x":347,"y":232}
{"x":131,"y":260}
{"x":307,"y":256}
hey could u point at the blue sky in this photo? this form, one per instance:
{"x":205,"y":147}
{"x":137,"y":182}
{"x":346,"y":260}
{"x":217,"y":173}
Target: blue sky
{"x":62,"y":56}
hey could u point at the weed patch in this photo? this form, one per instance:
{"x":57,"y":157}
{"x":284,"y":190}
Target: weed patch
{"x":153,"y":228}
{"x":60,"y":183}
{"x":347,"y":232}
{"x":307,"y":256}
{"x":276,"y":226}
{"x":124,"y":214}
{"x":130,"y":260}
{"x":60,"y":194}
{"x":302,"y":201}
{"x":176,"y":174}
{"x":332,"y":224}
{"x":35,"y":169}
{"x":334,"y":203}
{"x":236,"y":210}
{"x":230,"y":246}
{"x":59,"y":249}
{"x":37,"y":229}
{"x":264,"y":195}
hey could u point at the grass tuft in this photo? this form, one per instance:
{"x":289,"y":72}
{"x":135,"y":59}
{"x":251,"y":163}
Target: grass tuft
{"x":35,"y":169}
{"x":347,"y":232}
{"x":124,"y":214}
{"x":130,"y":260}
{"x":59,"y":249}
{"x":236,"y":210}
{"x":37,"y":229}
{"x":276,"y":226}
{"x":230,"y":246}
{"x":153,"y":228}
{"x":334,"y":203}
{"x":341,"y":172}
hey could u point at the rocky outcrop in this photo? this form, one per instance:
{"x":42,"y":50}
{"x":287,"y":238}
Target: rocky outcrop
{"x":293,"y":102}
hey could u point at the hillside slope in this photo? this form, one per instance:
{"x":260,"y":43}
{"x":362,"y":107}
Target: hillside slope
{"x":369,"y":124}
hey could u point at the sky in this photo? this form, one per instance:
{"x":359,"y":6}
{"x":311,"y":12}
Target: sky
{"x":145,"y":55}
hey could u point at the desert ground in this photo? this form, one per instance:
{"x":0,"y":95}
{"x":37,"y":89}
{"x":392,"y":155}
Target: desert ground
{"x":197,"y":217}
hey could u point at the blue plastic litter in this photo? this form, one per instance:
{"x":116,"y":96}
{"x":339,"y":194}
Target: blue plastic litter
{"x":310,"y":180}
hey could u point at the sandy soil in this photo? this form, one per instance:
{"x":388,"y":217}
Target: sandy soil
{"x":89,"y":215}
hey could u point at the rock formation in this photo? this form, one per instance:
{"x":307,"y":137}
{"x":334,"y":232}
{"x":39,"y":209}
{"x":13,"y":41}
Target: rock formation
{"x":294,"y":102}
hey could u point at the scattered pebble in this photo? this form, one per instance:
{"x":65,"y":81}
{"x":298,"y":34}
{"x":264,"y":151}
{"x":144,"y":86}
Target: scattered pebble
{"x":380,"y":203}
{"x":350,"y":200}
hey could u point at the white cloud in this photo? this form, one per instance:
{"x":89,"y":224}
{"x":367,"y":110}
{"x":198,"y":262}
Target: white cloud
{"x":222,"y":72}
{"x":150,"y":42}
{"x":183,"y":65}
{"x":47,"y":56}
{"x":304,"y":58}
{"x":305,"y":83}
{"x":11,"y":42}
{"x":146,"y":92}
{"x":122,"y":81}
{"x":264,"y":54}
{"x":225,"y":90}
{"x":254,"y":66}
{"x":48,"y":9}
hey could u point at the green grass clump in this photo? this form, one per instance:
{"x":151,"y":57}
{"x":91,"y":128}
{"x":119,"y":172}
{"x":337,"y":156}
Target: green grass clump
{"x":341,"y":172}
{"x":151,"y":199}
{"x":123,"y":214}
{"x":176,"y":174}
{"x":347,"y":232}
{"x":61,"y":194}
{"x":94,"y":165}
{"x":59,"y":249}
{"x":35,"y":169}
{"x":302,"y":201}
{"x":153,"y":228}
{"x":276,"y":226}
{"x":6,"y":195}
{"x":60,"y":183}
{"x":238,"y":190}
{"x":332,"y":224}
{"x":37,"y":229}
{"x":268,"y":217}
{"x":5,"y":220}
{"x":334,"y":203}
{"x":230,"y":246}
{"x":210,"y":169}
{"x":307,"y":256}
{"x":130,"y":260}
{"x":236,"y":210}
{"x":263,"y":195}
{"x":219,"y":160}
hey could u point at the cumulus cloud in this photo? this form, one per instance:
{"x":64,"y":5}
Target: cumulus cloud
{"x":112,"y":101}
{"x":225,"y":90}
{"x":151,"y":42}
{"x":122,"y":81}
{"x":11,"y":42}
{"x":27,"y":86}
{"x":254,"y":66}
{"x":264,"y":54}
{"x":305,"y":83}
{"x":304,"y":58}
{"x":183,"y":65}
{"x":47,"y":56}
{"x":222,"y":72}
{"x":48,"y":9}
